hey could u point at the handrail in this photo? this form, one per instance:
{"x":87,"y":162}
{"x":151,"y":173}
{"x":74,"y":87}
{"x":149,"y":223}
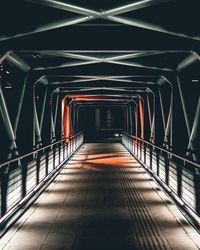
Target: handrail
{"x":29,"y":183}
{"x":164,"y":150}
{"x":37,"y":150}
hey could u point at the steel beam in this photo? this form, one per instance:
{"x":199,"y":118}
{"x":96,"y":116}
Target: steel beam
{"x":70,"y":55}
{"x":56,"y":111}
{"x":149,"y":114}
{"x":195,"y":132}
{"x":65,"y":65}
{"x":36,"y":121}
{"x":7,"y":121}
{"x":136,"y":55}
{"x":18,"y":113}
{"x":169,"y":127}
{"x":132,"y":7}
{"x":162,"y":109}
{"x":148,"y":26}
{"x":43,"y":109}
{"x":137,"y":65}
{"x":153,"y":127}
{"x":51,"y":26}
{"x":19,"y":108}
{"x":185,"y":112}
{"x":17,"y":61}
{"x":65,"y":6}
{"x":193,"y":57}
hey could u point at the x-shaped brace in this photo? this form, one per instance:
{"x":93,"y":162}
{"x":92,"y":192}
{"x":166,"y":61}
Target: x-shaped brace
{"x":111,"y":15}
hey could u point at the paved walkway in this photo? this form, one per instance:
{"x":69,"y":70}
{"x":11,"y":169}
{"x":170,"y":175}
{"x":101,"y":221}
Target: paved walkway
{"x":102,"y":200}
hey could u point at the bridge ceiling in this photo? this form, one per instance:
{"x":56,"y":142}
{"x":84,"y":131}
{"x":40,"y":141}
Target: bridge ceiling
{"x":121,"y":24}
{"x":78,"y":45}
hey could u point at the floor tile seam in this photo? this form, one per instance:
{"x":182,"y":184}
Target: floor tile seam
{"x":146,"y":229}
{"x":59,"y":211}
{"x":157,"y":230}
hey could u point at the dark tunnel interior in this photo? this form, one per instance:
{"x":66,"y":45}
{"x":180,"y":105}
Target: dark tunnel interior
{"x":101,"y":124}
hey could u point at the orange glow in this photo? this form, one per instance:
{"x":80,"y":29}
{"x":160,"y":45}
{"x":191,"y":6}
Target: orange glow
{"x":92,"y":168}
{"x":68,"y":129}
{"x":66,"y":121}
{"x":89,"y":98}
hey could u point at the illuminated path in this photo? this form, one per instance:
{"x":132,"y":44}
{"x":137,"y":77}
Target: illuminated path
{"x":102,"y":200}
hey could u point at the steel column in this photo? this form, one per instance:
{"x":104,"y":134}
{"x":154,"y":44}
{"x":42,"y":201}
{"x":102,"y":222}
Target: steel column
{"x":169,"y":124}
{"x":36,"y":121}
{"x":43,"y":109}
{"x":19,"y":108}
{"x":7,"y":121}
{"x":162,"y":110}
{"x":195,"y":132}
{"x":185,"y":112}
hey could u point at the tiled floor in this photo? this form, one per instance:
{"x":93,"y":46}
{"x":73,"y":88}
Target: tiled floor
{"x":102,"y":200}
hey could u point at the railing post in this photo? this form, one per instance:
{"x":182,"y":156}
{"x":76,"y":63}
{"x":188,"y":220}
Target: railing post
{"x":4,"y":188}
{"x":37,"y":168}
{"x":145,"y":153}
{"x":197,"y":190}
{"x":59,"y":151}
{"x":63,"y":150}
{"x":150,"y":157}
{"x":47,"y":161}
{"x":157,"y":162}
{"x":167,"y":170}
{"x":54,"y":156}
{"x":179,"y":180}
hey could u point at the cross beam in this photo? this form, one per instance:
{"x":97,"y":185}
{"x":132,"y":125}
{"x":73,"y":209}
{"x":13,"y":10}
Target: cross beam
{"x":108,"y":15}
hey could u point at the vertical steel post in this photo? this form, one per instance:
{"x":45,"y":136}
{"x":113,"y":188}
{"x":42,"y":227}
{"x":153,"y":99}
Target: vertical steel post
{"x":20,"y":104}
{"x":56,"y":111}
{"x":43,"y":109}
{"x":153,"y":128}
{"x":141,"y":109}
{"x":130,"y":118}
{"x":37,"y":126}
{"x":162,"y":110}
{"x":136,"y":120}
{"x":19,"y":108}
{"x":52,"y":132}
{"x":6,"y":120}
{"x":195,"y":132}
{"x":127,"y":121}
{"x":183,"y":105}
{"x":168,"y":129}
{"x":149,"y":113}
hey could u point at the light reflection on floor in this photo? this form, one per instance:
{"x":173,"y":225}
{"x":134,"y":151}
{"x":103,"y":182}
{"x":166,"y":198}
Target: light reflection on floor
{"x":102,"y":200}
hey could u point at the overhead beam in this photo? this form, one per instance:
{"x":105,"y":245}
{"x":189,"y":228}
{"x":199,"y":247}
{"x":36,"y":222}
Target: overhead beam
{"x":132,"y":7}
{"x":148,"y":26}
{"x":17,"y":61}
{"x":100,"y":57}
{"x":190,"y":59}
{"x":69,"y":55}
{"x":75,"y":81}
{"x":65,"y":65}
{"x":65,"y":6}
{"x":136,"y":55}
{"x":51,"y":26}
{"x":138,"y":65}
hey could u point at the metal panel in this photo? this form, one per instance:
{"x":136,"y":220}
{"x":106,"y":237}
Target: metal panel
{"x":173,"y":176}
{"x":14,"y":191}
{"x":188,"y":188}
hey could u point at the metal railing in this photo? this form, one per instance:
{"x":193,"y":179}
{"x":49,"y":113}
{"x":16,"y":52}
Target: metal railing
{"x":23,"y":177}
{"x":179,"y":176}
